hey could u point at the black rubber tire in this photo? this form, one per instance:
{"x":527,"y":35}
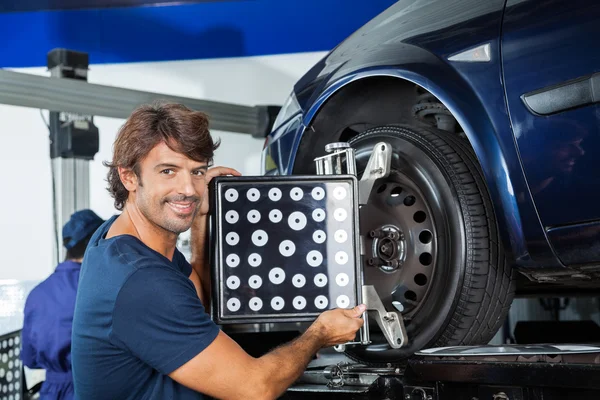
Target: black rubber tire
{"x":473,"y":286}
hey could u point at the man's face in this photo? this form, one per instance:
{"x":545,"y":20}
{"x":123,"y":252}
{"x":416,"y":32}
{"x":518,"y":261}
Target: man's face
{"x":170,"y":188}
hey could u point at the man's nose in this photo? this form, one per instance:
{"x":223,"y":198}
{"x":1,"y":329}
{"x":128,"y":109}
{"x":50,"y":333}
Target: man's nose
{"x":186,"y":185}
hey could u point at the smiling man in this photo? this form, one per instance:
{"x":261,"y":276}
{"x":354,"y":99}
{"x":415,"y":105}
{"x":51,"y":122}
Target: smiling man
{"x":140,"y":329}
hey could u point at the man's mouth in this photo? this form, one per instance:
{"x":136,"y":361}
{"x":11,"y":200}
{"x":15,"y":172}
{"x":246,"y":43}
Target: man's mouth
{"x":182,"y":207}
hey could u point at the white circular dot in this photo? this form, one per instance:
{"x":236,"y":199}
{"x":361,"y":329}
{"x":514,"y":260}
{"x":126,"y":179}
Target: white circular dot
{"x":231,"y":195}
{"x":318,"y":214}
{"x":340,"y":214}
{"x":10,"y":341}
{"x":318,"y":193}
{"x":253,"y":195}
{"x":255,"y":281}
{"x":232,"y":238}
{"x":17,"y":385}
{"x":287,"y":248}
{"x":314,"y":258}
{"x":277,"y":303}
{"x":299,"y":302}
{"x":232,"y":216}
{"x":253,"y":216}
{"x":17,"y":340}
{"x":275,"y":216}
{"x":275,"y":194}
{"x":320,"y":280}
{"x":298,"y":280}
{"x":233,"y":260}
{"x":2,"y":372}
{"x":255,"y":304}
{"x":341,"y":257}
{"x":319,"y":236}
{"x":11,"y":387}
{"x":339,"y":193}
{"x":342,"y":279}
{"x":321,"y":302}
{"x":233,"y":304}
{"x":17,"y":373}
{"x":4,"y":344}
{"x":17,"y":351}
{"x":9,"y":376}
{"x":296,"y":194}
{"x":233,"y":282}
{"x":340,"y":236}
{"x":260,"y":238}
{"x":10,"y":364}
{"x":10,"y":353}
{"x":5,"y":358}
{"x":342,"y":301}
{"x":276,"y":275}
{"x":297,"y":220}
{"x":254,"y":259}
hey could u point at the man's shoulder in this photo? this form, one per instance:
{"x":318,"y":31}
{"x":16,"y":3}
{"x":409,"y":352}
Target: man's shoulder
{"x":124,"y":252}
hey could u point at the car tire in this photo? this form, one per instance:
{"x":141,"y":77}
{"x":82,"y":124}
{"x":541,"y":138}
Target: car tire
{"x":463,"y":289}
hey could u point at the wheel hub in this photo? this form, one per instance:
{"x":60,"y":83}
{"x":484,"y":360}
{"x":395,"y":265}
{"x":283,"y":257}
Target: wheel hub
{"x":388,"y":249}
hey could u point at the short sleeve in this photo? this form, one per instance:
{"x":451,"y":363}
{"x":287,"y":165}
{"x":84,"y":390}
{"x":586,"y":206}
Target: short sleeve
{"x":159,"y":318}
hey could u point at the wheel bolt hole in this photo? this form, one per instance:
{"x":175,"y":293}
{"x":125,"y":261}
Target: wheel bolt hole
{"x":425,"y":237}
{"x":425,"y":258}
{"x":410,"y":295}
{"x":409,"y":201}
{"x":381,"y":188}
{"x":396,"y":191}
{"x":420,"y":216}
{"x":420,"y":279}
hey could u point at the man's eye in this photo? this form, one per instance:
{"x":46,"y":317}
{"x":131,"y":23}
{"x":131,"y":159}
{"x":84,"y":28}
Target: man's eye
{"x":199,"y":172}
{"x":166,"y":171}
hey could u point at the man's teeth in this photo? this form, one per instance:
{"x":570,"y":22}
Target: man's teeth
{"x":181,"y":206}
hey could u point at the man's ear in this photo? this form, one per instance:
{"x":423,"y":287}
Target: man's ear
{"x":128,"y":178}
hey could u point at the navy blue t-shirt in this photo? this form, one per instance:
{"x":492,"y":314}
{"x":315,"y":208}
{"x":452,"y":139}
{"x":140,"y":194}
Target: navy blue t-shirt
{"x":137,"y":319}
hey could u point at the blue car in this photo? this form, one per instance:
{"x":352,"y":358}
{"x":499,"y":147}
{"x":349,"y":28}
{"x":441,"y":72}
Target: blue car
{"x":491,"y":108}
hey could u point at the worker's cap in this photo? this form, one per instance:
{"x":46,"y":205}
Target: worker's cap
{"x":82,"y":224}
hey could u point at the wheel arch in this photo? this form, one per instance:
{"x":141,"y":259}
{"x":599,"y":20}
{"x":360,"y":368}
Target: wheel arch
{"x":458,"y":98}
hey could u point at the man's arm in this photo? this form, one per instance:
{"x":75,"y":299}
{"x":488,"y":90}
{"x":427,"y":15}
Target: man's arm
{"x":199,"y":259}
{"x":225,"y":371}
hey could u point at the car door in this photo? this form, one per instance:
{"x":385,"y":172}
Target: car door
{"x":551,"y":64}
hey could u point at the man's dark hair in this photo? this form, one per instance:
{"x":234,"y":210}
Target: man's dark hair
{"x":183,"y":130}
{"x":76,"y":252}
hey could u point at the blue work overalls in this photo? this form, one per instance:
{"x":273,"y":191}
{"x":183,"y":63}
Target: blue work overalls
{"x":47,"y":326}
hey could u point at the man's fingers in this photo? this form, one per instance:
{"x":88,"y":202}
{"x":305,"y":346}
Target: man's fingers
{"x":219,"y":171}
{"x":357,"y":311}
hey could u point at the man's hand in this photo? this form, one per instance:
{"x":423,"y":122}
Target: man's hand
{"x":338,"y":326}
{"x":211,"y":173}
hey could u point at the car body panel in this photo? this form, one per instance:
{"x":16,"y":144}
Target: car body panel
{"x":413,"y":40}
{"x":544,"y":45}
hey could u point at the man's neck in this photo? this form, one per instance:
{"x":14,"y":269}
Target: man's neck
{"x":133,"y":222}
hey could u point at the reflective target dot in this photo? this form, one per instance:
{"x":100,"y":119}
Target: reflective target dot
{"x":318,"y":214}
{"x":275,"y":216}
{"x":2,"y":373}
{"x":320,"y":280}
{"x":10,"y":353}
{"x":232,"y":238}
{"x":277,"y":303}
{"x":340,"y":236}
{"x":232,"y":216}
{"x":341,"y":257}
{"x":253,"y":216}
{"x":299,"y":302}
{"x":296,"y":194}
{"x":297,"y":220}
{"x":17,"y":351}
{"x":10,"y":364}
{"x":4,"y":358}
{"x":231,"y":195}
{"x":233,"y":305}
{"x":298,"y":280}
{"x":10,"y":388}
{"x":253,"y":195}
{"x":314,"y":258}
{"x":254,"y":259}
{"x":342,"y":301}
{"x":342,"y":279}
{"x":260,"y":238}
{"x":319,"y":236}
{"x":4,"y":344}
{"x":17,"y":373}
{"x":318,"y":193}
{"x":287,"y":248}
{"x":233,"y":282}
{"x":233,"y":260}
{"x":255,"y":281}
{"x":17,"y":340}
{"x":340,"y":214}
{"x":276,"y":275}
{"x":321,"y":302}
{"x":339,"y":193}
{"x":255,"y":304}
{"x":9,"y":376}
{"x":10,"y":341}
{"x":275,"y":194}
